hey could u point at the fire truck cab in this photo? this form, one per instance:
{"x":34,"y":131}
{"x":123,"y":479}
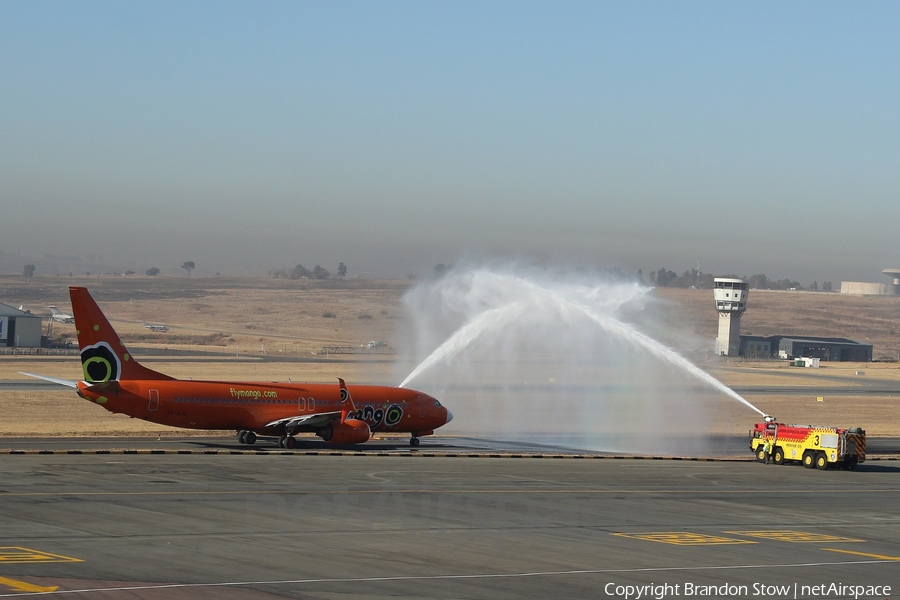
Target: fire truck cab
{"x":811,"y":445}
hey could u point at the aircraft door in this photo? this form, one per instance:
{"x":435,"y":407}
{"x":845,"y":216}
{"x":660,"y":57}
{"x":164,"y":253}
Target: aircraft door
{"x":301,"y":404}
{"x":422,"y":407}
{"x":154,"y":401}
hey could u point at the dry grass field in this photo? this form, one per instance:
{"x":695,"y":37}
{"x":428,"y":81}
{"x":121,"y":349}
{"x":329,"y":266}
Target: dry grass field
{"x":228,"y":312}
{"x":230,"y":328}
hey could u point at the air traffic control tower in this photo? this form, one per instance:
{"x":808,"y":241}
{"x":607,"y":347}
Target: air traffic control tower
{"x":731,"y":302}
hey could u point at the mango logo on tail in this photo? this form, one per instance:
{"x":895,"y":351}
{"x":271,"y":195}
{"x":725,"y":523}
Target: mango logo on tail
{"x":100,"y":363}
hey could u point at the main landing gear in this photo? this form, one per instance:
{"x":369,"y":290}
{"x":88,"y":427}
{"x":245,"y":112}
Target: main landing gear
{"x":287,"y":441}
{"x":248,"y":438}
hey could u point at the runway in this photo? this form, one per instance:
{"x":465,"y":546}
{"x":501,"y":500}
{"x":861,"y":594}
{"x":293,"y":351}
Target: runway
{"x":393,"y":523}
{"x":720,"y":447}
{"x":306,"y":444}
{"x":836,"y":386}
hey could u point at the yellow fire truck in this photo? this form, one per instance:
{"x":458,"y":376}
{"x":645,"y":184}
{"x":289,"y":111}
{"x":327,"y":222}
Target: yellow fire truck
{"x":811,"y":445}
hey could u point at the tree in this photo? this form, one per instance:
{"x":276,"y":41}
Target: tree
{"x":666,"y":278}
{"x":28,"y":271}
{"x":785,"y":284}
{"x":320,"y":273}
{"x":152,"y":272}
{"x":758,"y":282}
{"x":188,"y":266}
{"x":300,"y":272}
{"x":342,"y":270}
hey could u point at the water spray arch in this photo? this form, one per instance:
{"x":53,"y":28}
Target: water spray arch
{"x":499,"y":314}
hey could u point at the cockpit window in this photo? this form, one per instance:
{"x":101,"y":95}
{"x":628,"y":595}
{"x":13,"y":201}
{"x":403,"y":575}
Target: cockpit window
{"x":436,"y":403}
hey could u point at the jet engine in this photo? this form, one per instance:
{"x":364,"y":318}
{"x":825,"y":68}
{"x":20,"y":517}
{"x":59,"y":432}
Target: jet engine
{"x":351,"y":431}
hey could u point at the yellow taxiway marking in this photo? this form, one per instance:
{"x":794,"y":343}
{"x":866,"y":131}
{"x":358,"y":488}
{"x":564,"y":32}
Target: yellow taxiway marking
{"x":16,"y":554}
{"x":794,"y":536}
{"x":867,"y":555}
{"x":684,"y":538}
{"x":22,"y":586}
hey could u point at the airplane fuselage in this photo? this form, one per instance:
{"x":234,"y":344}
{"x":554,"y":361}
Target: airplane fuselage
{"x":338,"y":414}
{"x":254,"y":405}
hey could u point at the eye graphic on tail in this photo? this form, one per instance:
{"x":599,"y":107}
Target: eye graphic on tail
{"x":100,"y":363}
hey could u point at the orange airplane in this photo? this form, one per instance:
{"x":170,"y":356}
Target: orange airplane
{"x":116,"y":381}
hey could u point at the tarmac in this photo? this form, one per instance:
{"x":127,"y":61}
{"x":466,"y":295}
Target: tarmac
{"x":207,"y":518}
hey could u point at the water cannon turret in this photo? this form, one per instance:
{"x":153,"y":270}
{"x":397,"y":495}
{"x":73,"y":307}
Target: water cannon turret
{"x":769,"y":419}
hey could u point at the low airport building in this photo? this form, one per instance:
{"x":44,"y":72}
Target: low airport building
{"x":864,"y":288}
{"x":791,"y":347}
{"x":19,"y":329}
{"x":756,"y":346}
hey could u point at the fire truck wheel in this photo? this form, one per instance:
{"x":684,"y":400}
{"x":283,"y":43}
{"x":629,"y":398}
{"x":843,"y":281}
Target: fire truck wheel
{"x":761,"y":454}
{"x":821,"y":461}
{"x":778,"y":455}
{"x":809,"y":459}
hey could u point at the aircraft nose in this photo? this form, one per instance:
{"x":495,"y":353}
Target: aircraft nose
{"x":449,"y":417}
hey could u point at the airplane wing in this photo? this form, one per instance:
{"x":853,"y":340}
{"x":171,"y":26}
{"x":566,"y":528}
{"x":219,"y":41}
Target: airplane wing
{"x":313,"y":421}
{"x":57,"y":380}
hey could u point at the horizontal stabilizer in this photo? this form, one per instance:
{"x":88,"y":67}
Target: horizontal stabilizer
{"x":66,"y":382}
{"x":105,"y":387}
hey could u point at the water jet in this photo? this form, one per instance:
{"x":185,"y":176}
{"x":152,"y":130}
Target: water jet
{"x":528,"y":355}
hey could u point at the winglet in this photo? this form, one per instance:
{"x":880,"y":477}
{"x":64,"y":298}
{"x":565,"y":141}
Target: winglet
{"x":347,"y":405}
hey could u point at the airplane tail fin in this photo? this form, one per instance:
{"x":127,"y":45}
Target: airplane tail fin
{"x":103,"y":355}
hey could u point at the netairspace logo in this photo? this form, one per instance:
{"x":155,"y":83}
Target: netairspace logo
{"x":757,"y":590}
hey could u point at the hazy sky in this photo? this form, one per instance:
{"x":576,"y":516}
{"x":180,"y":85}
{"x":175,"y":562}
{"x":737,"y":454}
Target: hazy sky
{"x":758,"y":137}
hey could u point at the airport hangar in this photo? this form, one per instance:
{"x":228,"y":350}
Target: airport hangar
{"x":828,"y":349}
{"x":19,"y":329}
